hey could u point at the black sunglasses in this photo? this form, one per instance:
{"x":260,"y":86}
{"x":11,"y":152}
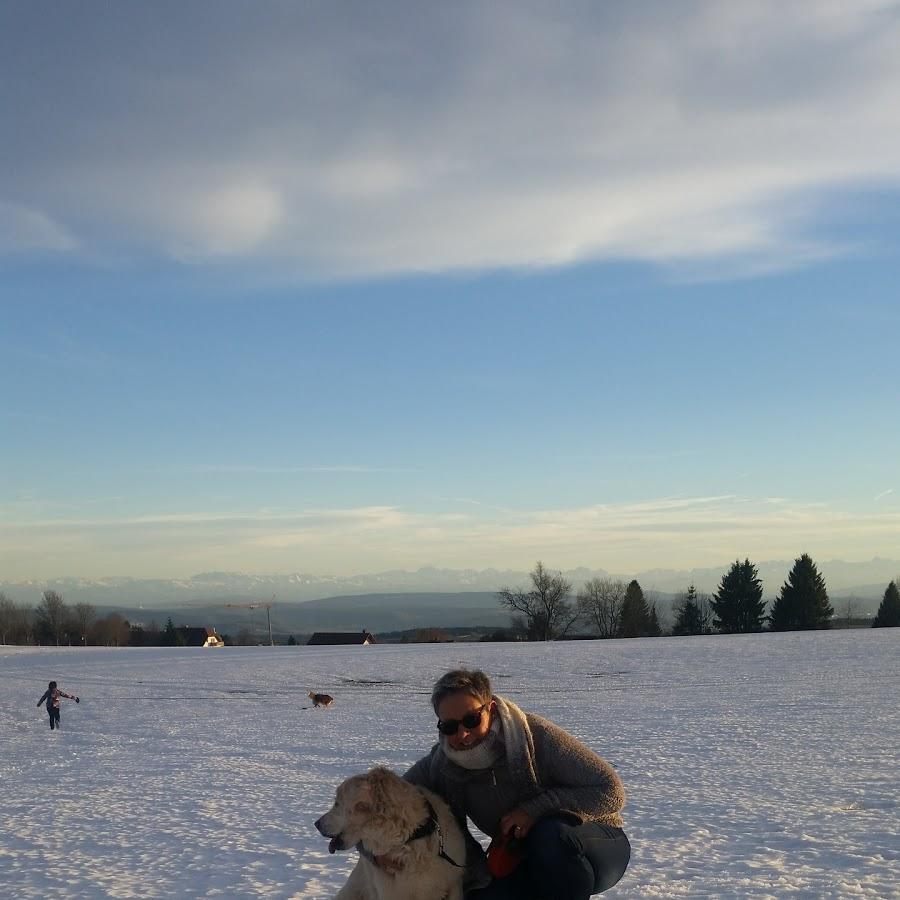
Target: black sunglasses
{"x":468,"y":721}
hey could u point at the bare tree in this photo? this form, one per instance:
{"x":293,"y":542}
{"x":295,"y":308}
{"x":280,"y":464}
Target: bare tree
{"x":849,"y":609}
{"x":51,"y":617}
{"x":431,"y":636}
{"x":153,"y":633}
{"x":84,"y":615}
{"x":600,"y":604}
{"x":7,"y":612}
{"x":547,"y":609}
{"x":13,"y":621}
{"x":246,"y":638}
{"x":704,"y":601}
{"x":519,"y":627}
{"x":111,"y":631}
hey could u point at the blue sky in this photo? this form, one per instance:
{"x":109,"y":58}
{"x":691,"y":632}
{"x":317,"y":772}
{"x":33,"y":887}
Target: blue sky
{"x":319,"y":289}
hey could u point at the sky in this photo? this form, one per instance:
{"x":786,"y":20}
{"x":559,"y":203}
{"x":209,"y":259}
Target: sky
{"x":348,"y":287}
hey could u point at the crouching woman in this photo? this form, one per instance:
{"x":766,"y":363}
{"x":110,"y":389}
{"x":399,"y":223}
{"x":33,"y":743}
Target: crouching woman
{"x":550,"y":805}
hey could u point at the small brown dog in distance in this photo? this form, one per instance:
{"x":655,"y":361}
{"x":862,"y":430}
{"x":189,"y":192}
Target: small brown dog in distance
{"x":320,"y":699}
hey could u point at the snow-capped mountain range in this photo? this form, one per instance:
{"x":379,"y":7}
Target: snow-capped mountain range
{"x":860,"y":579}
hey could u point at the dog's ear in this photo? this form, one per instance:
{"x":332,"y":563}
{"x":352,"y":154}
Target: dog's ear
{"x":379,"y":781}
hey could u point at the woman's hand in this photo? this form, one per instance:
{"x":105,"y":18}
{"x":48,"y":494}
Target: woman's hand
{"x":516,"y":823}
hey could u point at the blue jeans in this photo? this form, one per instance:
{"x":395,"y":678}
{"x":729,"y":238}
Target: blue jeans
{"x":563,"y":861}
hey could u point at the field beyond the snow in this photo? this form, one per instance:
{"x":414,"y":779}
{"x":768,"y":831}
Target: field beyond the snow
{"x":756,"y":766}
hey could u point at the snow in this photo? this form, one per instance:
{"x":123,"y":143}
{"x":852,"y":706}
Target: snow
{"x":756,"y":766}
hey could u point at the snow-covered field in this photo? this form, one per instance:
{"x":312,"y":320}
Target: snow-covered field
{"x":757,"y":766}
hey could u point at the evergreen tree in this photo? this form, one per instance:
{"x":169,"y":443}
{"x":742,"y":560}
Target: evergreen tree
{"x":888,"y":615}
{"x":738,"y":603}
{"x":691,"y":614}
{"x":803,"y":603}
{"x":653,"y":626}
{"x":635,"y":613}
{"x":169,"y":633}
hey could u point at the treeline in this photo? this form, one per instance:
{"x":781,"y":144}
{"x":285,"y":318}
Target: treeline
{"x":548,"y":609}
{"x":612,"y":608}
{"x":53,"y":622}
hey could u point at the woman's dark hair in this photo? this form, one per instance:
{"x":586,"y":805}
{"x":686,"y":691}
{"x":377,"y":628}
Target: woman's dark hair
{"x":461,"y":681}
{"x":51,"y":685}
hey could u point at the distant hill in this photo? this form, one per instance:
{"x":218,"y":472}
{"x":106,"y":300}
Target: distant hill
{"x":374,"y":612}
{"x":387,"y":612}
{"x":295,"y":587}
{"x":398,"y":599}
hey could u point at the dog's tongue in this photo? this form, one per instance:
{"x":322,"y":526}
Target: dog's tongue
{"x":333,"y":845}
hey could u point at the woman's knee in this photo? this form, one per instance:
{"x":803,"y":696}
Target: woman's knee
{"x":608,"y":851}
{"x":554,"y":835}
{"x":587,"y":853}
{"x":556,"y":861}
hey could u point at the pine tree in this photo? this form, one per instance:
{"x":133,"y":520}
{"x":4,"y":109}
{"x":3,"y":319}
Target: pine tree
{"x":690,"y":615}
{"x":738,"y":603}
{"x":169,"y":633}
{"x":653,"y":627}
{"x":635,"y":612}
{"x":888,"y":615}
{"x":803,"y":603}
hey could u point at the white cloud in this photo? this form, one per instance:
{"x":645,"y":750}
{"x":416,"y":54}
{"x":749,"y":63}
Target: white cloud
{"x":697,"y":134}
{"x":225,"y":469}
{"x":25,"y":230}
{"x":675,"y":532}
{"x":225,"y":220}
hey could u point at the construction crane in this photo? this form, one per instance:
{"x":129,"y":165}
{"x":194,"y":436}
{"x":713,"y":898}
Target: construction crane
{"x":258,"y":604}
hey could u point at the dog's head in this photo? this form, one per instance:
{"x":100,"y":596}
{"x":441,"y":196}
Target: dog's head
{"x":311,"y":695}
{"x":378,"y":809}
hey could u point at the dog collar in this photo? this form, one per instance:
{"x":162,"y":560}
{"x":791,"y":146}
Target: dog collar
{"x":429,"y":826}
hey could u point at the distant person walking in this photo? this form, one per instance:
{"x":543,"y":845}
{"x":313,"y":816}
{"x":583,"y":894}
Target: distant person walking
{"x":51,"y":696}
{"x":550,"y":804}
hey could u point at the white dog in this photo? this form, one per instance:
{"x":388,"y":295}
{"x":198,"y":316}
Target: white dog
{"x":410,"y":845}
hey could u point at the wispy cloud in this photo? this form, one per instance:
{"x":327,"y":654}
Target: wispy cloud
{"x":25,"y":230}
{"x":666,"y":532}
{"x":698,"y":135}
{"x":883,"y":494}
{"x":295,"y":470}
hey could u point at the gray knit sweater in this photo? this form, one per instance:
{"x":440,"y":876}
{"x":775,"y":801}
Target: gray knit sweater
{"x":545,"y":770}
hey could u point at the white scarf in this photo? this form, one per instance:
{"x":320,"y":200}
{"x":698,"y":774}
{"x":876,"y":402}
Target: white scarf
{"x":485,"y":754}
{"x":519,"y":746}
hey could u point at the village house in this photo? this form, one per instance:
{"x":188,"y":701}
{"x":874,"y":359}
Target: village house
{"x":344,"y":638}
